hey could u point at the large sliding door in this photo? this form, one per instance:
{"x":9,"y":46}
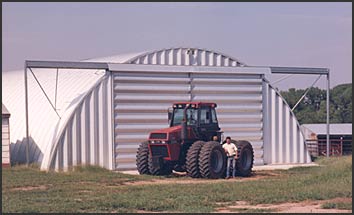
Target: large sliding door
{"x":141,"y":101}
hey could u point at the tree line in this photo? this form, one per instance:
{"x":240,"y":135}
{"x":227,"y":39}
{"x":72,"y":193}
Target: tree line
{"x":312,"y":109}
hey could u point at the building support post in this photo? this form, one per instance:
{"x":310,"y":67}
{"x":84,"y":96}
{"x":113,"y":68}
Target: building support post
{"x":327,"y":111}
{"x":114,"y":162}
{"x":26,"y":110}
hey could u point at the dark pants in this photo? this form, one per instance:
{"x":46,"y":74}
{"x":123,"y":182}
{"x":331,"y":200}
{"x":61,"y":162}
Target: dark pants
{"x":231,"y":159}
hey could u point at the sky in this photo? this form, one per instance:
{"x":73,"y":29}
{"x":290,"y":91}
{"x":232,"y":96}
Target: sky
{"x":259,"y":34}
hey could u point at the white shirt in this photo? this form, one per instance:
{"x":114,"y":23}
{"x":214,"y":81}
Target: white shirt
{"x":231,"y":149}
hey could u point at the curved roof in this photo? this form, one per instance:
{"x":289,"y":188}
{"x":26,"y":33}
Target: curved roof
{"x":121,"y":58}
{"x":174,"y":56}
{"x":186,"y":57}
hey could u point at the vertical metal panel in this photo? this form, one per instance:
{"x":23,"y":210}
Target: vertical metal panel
{"x":107,"y":112}
{"x":91,"y":131}
{"x":287,"y":141}
{"x":75,"y":140}
{"x":298,"y":147}
{"x":61,"y":153}
{"x":55,"y":164}
{"x":280,"y":130}
{"x":90,"y":122}
{"x":110,"y":111}
{"x":87,"y":131}
{"x":80,"y":143}
{"x":267,"y":147}
{"x":84,"y":135}
{"x":287,"y":136}
{"x":68,"y":147}
{"x":291,"y":139}
{"x":274,"y":138}
{"x":101,"y":118}
{"x":302,"y":148}
{"x":96,"y":129}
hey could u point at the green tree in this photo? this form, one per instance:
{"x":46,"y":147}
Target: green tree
{"x":312,"y":109}
{"x":342,"y":101}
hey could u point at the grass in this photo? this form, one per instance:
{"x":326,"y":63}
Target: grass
{"x":337,"y":205}
{"x":93,"y":189}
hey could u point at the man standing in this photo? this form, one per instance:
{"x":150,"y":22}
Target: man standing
{"x":231,"y":152}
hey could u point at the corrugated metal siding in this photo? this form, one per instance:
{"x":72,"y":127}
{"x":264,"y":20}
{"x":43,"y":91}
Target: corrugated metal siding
{"x":284,"y":142}
{"x":141,"y":101}
{"x":87,"y":136}
{"x":5,"y":140}
{"x":186,"y":57}
{"x":239,"y":111}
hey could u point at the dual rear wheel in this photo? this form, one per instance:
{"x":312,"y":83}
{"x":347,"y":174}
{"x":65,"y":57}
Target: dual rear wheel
{"x":205,"y":160}
{"x":208,"y":159}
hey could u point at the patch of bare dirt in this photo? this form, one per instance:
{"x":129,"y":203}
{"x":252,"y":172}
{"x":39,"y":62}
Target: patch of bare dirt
{"x":142,"y":211}
{"x":182,"y":178}
{"x":28,"y":188}
{"x":289,"y":207}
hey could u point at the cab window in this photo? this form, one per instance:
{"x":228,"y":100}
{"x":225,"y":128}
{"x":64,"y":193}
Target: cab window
{"x":205,"y":116}
{"x":192,"y":116}
{"x":213,"y":116}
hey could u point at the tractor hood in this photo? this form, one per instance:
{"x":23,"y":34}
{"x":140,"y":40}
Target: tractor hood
{"x":172,"y":133}
{"x":168,"y":130}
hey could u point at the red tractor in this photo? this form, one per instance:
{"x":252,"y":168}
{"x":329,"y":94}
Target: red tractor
{"x":192,"y":143}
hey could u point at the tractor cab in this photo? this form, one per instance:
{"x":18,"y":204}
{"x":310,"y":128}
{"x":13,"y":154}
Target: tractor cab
{"x":199,"y":116}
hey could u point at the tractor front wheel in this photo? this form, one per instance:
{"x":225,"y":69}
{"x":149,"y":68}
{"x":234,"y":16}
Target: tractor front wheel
{"x":142,"y":158}
{"x":163,"y":169}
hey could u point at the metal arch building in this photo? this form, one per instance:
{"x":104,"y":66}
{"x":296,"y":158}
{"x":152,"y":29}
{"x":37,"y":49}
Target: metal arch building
{"x":104,"y":112}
